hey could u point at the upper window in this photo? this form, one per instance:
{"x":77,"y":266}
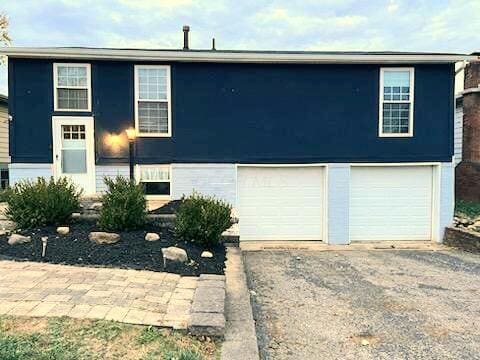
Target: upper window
{"x":152,"y":100}
{"x":396,"y":102}
{"x":72,"y":90}
{"x":155,"y":179}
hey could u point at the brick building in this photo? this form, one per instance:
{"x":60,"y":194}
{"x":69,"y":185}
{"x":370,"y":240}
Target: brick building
{"x":468,"y":171}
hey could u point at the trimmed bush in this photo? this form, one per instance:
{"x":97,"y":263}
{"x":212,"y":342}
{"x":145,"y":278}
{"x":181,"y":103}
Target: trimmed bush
{"x":124,"y":205}
{"x":41,"y":202}
{"x":202,"y":219}
{"x":4,"y":195}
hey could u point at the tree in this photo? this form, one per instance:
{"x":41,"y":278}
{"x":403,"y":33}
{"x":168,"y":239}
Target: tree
{"x":4,"y":37}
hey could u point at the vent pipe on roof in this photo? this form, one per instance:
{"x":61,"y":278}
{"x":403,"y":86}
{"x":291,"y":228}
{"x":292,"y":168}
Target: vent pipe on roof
{"x":213,"y":44}
{"x":186,"y":29}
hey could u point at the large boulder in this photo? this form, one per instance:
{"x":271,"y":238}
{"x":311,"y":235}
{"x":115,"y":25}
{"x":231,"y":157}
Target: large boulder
{"x":63,"y":230}
{"x":100,"y":237}
{"x":16,"y":239}
{"x":206,"y":254}
{"x":152,"y":237}
{"x":173,"y":253}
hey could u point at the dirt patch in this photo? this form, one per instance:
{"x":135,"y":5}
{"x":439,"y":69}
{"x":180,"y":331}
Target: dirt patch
{"x":169,"y":208}
{"x":131,"y":252}
{"x":365,"y":339}
{"x":24,"y":325}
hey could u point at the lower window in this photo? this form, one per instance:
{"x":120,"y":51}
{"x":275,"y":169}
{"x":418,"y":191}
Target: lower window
{"x":155,"y":179}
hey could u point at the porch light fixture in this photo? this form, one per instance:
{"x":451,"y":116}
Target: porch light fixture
{"x":131,"y":135}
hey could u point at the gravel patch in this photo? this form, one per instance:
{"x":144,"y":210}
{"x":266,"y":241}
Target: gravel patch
{"x":390,"y":304}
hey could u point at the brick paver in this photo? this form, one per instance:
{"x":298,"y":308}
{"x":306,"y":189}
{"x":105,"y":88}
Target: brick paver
{"x":131,"y":296}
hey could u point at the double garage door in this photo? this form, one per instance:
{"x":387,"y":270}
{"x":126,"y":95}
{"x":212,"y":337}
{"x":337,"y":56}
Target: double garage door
{"x":289,"y":203}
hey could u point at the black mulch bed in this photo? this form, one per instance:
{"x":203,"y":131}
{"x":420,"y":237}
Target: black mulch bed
{"x":169,"y":208}
{"x":131,"y":252}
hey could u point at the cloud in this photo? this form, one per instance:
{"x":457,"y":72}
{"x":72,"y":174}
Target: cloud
{"x":410,"y":25}
{"x":392,"y":6}
{"x":284,"y":21}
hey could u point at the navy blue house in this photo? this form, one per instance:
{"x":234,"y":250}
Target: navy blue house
{"x":332,"y":146}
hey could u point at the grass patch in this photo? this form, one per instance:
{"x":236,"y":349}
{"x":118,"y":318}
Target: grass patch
{"x":471,"y":209}
{"x":64,"y":339}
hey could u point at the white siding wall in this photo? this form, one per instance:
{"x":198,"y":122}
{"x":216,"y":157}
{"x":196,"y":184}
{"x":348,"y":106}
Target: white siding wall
{"x":338,"y":202}
{"x":110,"y":171}
{"x":219,"y":180}
{"x":458,"y":134}
{"x":18,"y":172}
{"x":4,"y":157}
{"x":447,"y":198}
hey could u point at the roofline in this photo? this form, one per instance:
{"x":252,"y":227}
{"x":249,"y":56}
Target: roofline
{"x":3,"y":98}
{"x":230,"y":56}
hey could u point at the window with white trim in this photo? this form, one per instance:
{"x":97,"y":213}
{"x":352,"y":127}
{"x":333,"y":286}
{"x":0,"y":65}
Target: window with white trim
{"x":152,"y":100}
{"x":396,"y":102}
{"x":155,"y":179}
{"x":72,"y":87}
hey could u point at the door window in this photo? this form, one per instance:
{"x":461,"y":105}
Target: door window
{"x":74,"y":149}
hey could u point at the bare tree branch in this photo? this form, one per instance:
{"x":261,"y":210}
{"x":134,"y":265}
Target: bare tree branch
{"x":5,"y":39}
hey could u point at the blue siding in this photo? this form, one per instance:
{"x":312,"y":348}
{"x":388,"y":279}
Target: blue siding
{"x":246,"y":113}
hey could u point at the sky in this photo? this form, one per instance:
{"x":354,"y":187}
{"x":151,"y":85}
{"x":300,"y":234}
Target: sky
{"x":399,"y":25}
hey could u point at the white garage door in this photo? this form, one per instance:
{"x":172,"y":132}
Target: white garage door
{"x":280,"y":203}
{"x":391,"y":203}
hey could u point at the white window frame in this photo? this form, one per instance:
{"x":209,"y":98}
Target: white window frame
{"x":411,"y":100}
{"x":89,"y":86}
{"x":155,"y":197}
{"x":168,"y":101}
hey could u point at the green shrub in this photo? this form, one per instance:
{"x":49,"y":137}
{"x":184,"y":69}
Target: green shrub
{"x":124,"y":205}
{"x":202,"y":219}
{"x":471,"y":209}
{"x":41,"y":202}
{"x":4,"y":195}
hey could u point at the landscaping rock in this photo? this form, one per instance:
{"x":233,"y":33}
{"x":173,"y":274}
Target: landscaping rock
{"x":206,"y":254}
{"x":152,"y":237}
{"x":95,"y":206}
{"x":100,"y":237}
{"x":16,"y":239}
{"x":173,"y":253}
{"x":63,"y":230}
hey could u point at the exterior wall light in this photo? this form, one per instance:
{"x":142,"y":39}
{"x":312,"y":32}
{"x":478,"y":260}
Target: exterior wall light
{"x":131,"y":135}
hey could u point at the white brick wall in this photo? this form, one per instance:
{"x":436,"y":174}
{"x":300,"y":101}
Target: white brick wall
{"x":338,"y":202}
{"x":447,"y":197}
{"x":217,"y":180}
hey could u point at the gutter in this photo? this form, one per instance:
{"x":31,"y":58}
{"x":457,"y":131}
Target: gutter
{"x":230,"y":56}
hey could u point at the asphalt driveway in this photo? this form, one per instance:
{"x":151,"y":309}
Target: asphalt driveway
{"x":389,"y":304}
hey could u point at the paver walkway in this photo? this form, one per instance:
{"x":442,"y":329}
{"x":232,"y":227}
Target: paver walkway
{"x":130,"y":296}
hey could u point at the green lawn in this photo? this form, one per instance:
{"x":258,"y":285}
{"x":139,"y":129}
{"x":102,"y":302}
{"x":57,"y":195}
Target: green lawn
{"x":471,"y":209}
{"x":70,"y":339}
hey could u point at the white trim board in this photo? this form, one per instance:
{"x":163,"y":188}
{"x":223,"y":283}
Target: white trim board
{"x":233,"y":56}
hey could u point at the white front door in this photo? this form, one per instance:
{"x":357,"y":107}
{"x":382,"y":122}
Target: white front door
{"x":280,"y":203}
{"x":73,"y":151}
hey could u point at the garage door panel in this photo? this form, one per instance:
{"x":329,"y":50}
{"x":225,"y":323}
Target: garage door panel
{"x":280,"y":203}
{"x":391,"y":203}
